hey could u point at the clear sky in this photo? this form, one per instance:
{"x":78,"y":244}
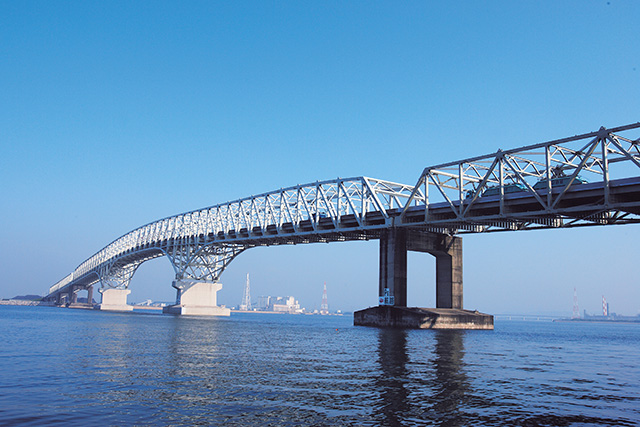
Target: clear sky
{"x":115,"y":114}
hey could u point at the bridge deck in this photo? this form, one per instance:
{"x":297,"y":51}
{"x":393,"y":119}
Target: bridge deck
{"x":582,"y":202}
{"x":201,"y":243}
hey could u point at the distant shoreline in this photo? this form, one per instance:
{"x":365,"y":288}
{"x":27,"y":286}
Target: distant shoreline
{"x":26,"y":302}
{"x":284,"y":312}
{"x":31,"y":303}
{"x":628,"y":320}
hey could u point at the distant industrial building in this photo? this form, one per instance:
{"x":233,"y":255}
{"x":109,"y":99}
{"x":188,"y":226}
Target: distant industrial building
{"x":607,"y":315}
{"x":279,"y":304}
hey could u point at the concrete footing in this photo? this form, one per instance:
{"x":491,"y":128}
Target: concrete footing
{"x":114,"y":300}
{"x":422,"y":318}
{"x":84,"y":305}
{"x":196,"y":299}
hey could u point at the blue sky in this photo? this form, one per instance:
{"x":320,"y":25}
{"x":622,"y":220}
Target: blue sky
{"x":115,"y":114}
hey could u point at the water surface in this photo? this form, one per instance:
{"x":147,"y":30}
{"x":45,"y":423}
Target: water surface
{"x":76,"y":367}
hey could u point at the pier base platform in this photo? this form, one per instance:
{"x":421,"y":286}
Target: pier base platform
{"x":114,"y":300}
{"x":196,"y":298}
{"x":422,"y":318}
{"x":84,"y":305}
{"x":196,"y":311}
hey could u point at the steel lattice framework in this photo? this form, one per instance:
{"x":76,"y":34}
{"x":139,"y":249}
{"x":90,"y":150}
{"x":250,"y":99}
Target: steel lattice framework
{"x":200,"y":244}
{"x":589,"y":179}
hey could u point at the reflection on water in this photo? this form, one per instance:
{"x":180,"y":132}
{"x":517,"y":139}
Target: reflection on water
{"x":68,"y":367}
{"x":392,"y":361}
{"x":450,"y":385}
{"x":431,"y":390}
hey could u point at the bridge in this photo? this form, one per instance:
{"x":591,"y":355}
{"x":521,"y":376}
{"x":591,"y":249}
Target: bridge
{"x":586,"y":180}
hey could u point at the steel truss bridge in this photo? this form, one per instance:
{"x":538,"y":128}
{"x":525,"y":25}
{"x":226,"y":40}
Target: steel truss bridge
{"x":584,"y":180}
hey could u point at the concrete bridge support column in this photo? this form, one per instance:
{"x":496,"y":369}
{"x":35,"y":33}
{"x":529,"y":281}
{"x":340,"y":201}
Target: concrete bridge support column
{"x":393,"y":310}
{"x":196,"y":298}
{"x":61,"y":298}
{"x":73,"y":295}
{"x":114,"y":300}
{"x":394,"y":244}
{"x":448,"y":253}
{"x":393,"y":267}
{"x":449,"y":273}
{"x":90,"y":295}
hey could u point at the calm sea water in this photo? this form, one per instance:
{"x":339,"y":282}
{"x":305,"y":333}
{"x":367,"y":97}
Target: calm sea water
{"x":75,"y":367}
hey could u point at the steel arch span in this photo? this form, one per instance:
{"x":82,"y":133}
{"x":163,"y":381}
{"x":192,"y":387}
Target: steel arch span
{"x":201,"y":243}
{"x":584,"y":180}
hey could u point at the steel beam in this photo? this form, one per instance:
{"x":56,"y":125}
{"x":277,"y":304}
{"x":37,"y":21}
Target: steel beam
{"x":201,"y":243}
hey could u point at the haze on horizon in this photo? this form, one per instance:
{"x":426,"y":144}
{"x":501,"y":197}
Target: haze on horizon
{"x":117,"y":114}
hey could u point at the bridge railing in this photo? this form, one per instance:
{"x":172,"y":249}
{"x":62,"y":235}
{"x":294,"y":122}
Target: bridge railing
{"x":545,"y":171}
{"x":61,"y":283}
{"x":331,"y":200}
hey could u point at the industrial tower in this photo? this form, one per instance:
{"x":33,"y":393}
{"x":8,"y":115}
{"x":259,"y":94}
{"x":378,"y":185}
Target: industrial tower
{"x":246,"y":297}
{"x":324,"y":307}
{"x":576,"y":310}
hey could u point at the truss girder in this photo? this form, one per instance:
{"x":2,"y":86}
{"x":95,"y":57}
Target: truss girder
{"x":191,"y":260}
{"x":201,"y":243}
{"x":545,"y":173}
{"x":577,"y":181}
{"x":115,"y":275}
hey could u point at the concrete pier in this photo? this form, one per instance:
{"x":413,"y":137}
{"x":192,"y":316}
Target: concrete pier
{"x":196,"y":298}
{"x":394,"y":244}
{"x":393,"y":266}
{"x":86,"y":305}
{"x":62,"y":299}
{"x":114,"y":300}
{"x":392,"y":285}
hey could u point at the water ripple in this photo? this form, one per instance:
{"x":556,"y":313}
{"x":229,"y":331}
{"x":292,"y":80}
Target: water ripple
{"x":67,"y":367}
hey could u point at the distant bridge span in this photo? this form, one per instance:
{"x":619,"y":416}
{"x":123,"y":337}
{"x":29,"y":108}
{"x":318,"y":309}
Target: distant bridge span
{"x":584,"y":180}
